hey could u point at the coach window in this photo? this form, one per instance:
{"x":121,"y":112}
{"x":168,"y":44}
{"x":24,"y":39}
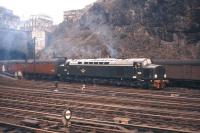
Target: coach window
{"x":85,"y":62}
{"x":79,"y":62}
{"x":100,"y":63}
{"x":106,"y":63}
{"x":90,"y":62}
{"x":95,"y":62}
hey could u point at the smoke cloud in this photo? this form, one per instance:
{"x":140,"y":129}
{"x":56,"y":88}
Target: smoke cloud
{"x":13,"y":40}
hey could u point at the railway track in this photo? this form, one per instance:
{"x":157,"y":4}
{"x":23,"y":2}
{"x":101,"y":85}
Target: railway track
{"x":108,"y":114}
{"x":91,"y":90}
{"x":51,"y":122}
{"x":106,"y":90}
{"x":178,"y":91}
{"x":164,"y":102}
{"x":130,"y":112}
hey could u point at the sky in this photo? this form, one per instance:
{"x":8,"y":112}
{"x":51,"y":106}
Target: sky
{"x":53,"y":8}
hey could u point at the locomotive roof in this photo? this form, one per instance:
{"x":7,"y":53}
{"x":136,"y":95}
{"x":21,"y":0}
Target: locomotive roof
{"x":110,"y":61}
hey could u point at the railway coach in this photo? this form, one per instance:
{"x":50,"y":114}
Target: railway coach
{"x":183,"y":73}
{"x":139,"y":72}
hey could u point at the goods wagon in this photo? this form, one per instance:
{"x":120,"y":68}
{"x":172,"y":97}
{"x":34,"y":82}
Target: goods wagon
{"x":29,"y":68}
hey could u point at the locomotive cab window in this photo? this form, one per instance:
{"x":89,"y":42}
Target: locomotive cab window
{"x":135,"y":64}
{"x":139,"y":65}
